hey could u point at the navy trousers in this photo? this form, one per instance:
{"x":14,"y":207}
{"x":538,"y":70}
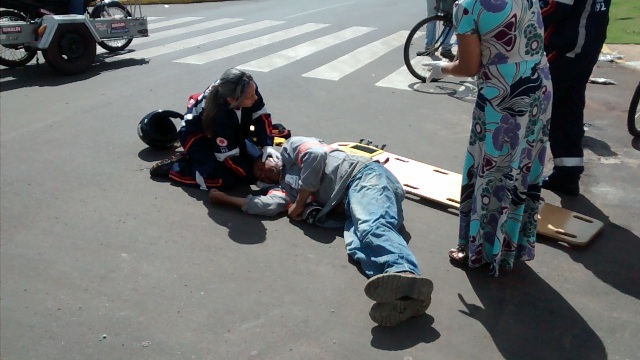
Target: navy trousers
{"x":570,"y":76}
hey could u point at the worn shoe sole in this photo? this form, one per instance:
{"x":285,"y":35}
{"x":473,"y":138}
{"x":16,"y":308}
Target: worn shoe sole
{"x":162,"y":168}
{"x":393,"y":286}
{"x":396,"y":312}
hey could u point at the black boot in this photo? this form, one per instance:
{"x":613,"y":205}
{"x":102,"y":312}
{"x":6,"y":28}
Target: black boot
{"x":162,"y":168}
{"x":564,"y":180}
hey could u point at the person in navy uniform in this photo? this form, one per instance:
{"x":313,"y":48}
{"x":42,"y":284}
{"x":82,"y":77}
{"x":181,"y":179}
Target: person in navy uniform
{"x":575,"y":31}
{"x":224,"y":130}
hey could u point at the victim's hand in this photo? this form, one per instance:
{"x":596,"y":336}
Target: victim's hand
{"x":294,"y":211}
{"x":217,"y":197}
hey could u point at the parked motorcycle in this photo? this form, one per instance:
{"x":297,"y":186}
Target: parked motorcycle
{"x":26,"y":10}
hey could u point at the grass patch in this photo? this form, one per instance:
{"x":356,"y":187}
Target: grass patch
{"x":624,"y":22}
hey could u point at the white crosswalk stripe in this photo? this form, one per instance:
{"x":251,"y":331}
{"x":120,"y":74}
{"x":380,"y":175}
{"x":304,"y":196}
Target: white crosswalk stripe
{"x":340,"y":63}
{"x":251,"y":44}
{"x":399,"y":79}
{"x":187,"y":29}
{"x":284,"y":57}
{"x":161,"y":24}
{"x":199,"y":40}
{"x":336,"y":69}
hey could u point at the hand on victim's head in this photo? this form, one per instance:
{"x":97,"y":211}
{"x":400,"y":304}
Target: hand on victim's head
{"x":267,"y":171}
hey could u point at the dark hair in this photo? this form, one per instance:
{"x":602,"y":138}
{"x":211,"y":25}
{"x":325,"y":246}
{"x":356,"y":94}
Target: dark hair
{"x":233,"y":83}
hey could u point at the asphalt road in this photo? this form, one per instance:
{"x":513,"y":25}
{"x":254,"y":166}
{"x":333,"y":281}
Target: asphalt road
{"x":98,"y":261}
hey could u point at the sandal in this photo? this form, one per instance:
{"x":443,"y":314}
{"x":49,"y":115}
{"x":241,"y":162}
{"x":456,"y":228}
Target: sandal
{"x":459,"y":256}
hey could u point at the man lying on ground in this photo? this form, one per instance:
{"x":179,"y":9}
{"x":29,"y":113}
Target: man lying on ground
{"x":370,"y":198}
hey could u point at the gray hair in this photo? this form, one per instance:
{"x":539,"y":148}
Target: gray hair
{"x":233,"y":83}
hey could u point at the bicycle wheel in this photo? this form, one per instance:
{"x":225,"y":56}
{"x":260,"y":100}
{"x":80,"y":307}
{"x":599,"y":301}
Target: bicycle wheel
{"x":108,"y":11}
{"x":14,"y":55}
{"x":417,"y":51}
{"x":634,"y":114}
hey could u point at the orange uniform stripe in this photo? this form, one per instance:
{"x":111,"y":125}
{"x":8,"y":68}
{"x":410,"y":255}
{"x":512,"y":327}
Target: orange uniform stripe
{"x":306,"y":146}
{"x":550,"y":8}
{"x":276,"y":191}
{"x":233,"y":167}
{"x":191,"y":181}
{"x":266,"y":118}
{"x":190,"y":140}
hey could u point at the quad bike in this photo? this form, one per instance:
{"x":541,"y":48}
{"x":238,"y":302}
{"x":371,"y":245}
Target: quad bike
{"x":25,"y":10}
{"x":67,"y":42}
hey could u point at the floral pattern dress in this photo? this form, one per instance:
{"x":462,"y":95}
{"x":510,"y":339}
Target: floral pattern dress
{"x":503,"y":166}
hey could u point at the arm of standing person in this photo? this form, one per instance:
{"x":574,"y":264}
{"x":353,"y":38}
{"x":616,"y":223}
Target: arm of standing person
{"x":469,"y":59}
{"x":555,"y":15}
{"x":555,"y":11}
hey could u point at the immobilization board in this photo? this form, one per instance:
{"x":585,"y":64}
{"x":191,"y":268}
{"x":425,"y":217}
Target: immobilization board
{"x":443,"y":187}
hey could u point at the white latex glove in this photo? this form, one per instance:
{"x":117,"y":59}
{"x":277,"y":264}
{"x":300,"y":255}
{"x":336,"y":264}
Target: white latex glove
{"x":270,"y":151}
{"x":436,"y":70}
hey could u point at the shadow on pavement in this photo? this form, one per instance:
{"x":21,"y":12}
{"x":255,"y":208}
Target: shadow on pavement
{"x":612,"y":256}
{"x":410,"y":333}
{"x":242,"y":228}
{"x":317,"y":233}
{"x":528,"y":319}
{"x":461,"y":90}
{"x":598,"y":147}
{"x":44,"y":76}
{"x":150,"y":154}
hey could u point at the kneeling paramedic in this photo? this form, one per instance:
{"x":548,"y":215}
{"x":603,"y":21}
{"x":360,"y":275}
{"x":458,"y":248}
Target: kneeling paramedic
{"x":219,"y":133}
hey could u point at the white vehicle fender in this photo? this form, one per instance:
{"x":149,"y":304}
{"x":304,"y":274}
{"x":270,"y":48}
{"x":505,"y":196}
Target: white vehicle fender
{"x":53,"y":21}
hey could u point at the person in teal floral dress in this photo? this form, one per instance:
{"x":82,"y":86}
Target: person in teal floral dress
{"x":501,"y":41}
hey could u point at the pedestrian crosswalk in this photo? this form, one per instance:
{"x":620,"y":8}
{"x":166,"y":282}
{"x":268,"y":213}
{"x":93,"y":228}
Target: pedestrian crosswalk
{"x":169,"y":36}
{"x":247,"y":45}
{"x":297,"y":52}
{"x":356,"y":59}
{"x":199,"y":40}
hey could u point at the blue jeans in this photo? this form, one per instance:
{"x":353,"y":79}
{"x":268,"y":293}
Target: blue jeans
{"x":76,"y":7}
{"x":373,"y":206}
{"x":430,"y":29}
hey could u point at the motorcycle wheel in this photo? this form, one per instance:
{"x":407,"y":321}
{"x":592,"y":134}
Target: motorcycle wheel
{"x":72,"y":49}
{"x":107,"y":11}
{"x":15,"y":55}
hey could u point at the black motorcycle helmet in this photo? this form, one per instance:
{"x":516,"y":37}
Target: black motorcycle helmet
{"x":158,"y":130}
